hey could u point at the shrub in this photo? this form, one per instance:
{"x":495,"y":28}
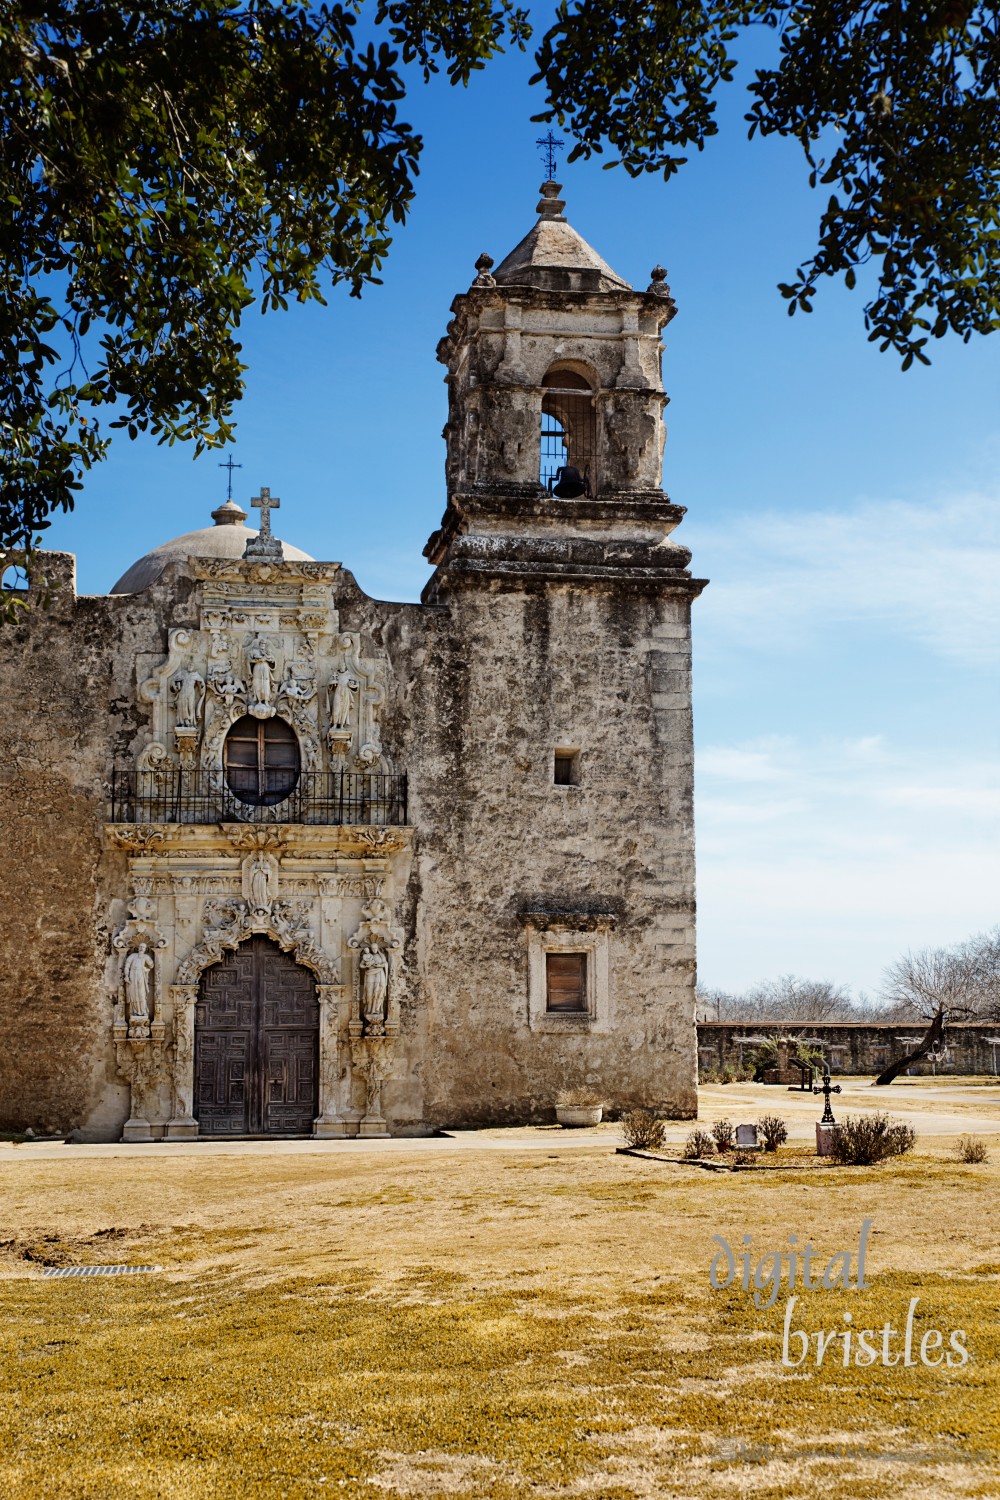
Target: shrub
{"x":723,"y":1134}
{"x":709,"y":1075}
{"x":744,"y":1159}
{"x":811,"y":1055}
{"x":863,"y":1140}
{"x":726,"y":1076}
{"x":743,"y":1075}
{"x":970,"y":1148}
{"x":642,"y":1130}
{"x":762,"y":1057}
{"x":773,"y":1130}
{"x":699,"y":1143}
{"x":581,"y":1098}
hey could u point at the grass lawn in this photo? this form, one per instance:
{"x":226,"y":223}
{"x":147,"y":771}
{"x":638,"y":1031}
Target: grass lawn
{"x":485,"y":1323}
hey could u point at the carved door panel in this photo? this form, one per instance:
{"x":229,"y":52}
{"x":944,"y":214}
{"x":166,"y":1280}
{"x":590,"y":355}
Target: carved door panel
{"x":257,"y":1045}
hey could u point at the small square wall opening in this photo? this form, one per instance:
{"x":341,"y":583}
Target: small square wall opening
{"x":565,"y":767}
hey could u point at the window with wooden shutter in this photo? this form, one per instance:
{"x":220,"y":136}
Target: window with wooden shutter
{"x":566,"y":981}
{"x":261,"y":759}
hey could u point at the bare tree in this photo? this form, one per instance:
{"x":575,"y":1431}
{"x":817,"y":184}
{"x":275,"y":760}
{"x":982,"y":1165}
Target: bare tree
{"x":962,"y":983}
{"x":939,"y":985}
{"x":787,"y":1000}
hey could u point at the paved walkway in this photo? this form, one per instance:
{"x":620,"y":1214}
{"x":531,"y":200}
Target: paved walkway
{"x":933,"y":1109}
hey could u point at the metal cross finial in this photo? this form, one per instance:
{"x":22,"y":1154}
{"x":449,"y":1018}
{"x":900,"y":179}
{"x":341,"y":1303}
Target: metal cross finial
{"x":230,"y":466}
{"x":265,"y":505}
{"x":548,"y":145}
{"x":826,"y":1089}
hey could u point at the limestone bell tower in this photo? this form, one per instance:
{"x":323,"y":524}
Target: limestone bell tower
{"x":559,"y":711}
{"x":555,"y":421}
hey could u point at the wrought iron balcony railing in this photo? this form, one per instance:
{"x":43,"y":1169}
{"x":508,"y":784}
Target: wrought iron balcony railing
{"x":173,"y":795}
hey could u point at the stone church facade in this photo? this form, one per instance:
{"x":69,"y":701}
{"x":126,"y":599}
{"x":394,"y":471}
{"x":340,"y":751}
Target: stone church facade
{"x":282,"y":859}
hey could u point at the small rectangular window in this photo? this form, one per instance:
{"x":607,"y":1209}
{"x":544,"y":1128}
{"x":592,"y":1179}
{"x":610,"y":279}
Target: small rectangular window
{"x":566,"y":981}
{"x":565,"y":768}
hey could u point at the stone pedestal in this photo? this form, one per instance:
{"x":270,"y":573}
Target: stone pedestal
{"x":136,"y":1129}
{"x":373,"y":1130}
{"x":332,"y":1130}
{"x":824,"y":1138}
{"x":182,"y":1129}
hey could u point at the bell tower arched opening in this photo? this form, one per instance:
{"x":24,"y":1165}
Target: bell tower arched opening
{"x":568,"y":448}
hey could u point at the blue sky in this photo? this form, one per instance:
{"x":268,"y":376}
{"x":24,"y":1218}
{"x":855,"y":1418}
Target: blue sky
{"x":848,"y":515}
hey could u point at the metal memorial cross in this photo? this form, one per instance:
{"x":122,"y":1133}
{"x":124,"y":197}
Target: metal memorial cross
{"x":826,"y":1089}
{"x":548,"y":145}
{"x":264,"y":503}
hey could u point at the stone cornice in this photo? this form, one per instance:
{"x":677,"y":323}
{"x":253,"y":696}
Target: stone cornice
{"x":245,"y":570}
{"x":544,"y":920}
{"x":478,"y":298}
{"x":302,"y":841}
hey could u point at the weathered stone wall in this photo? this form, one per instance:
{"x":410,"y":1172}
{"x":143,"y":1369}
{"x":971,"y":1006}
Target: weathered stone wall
{"x":605,"y":672}
{"x":857,"y":1047}
{"x":68,"y":672}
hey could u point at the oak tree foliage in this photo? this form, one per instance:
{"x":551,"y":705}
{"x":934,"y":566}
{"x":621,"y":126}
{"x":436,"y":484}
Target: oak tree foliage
{"x":894,"y":102}
{"x":165,"y":166}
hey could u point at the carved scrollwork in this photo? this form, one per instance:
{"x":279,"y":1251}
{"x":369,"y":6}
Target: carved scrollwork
{"x":225,"y":925}
{"x":137,"y":837}
{"x":254,"y":838}
{"x":229,"y":920}
{"x":154,"y":761}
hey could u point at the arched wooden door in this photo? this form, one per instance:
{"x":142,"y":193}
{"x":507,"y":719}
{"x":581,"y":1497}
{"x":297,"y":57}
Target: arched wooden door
{"x":256,"y":1045}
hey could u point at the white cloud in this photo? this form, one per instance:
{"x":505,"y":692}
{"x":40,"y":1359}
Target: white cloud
{"x":925,"y":570}
{"x":829,"y":858}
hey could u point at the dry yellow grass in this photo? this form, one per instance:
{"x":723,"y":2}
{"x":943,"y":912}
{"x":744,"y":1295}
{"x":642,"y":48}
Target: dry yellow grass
{"x":481,"y":1324}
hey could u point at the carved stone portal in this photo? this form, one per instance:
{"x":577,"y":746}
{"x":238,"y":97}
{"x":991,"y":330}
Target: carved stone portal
{"x":203,"y":896}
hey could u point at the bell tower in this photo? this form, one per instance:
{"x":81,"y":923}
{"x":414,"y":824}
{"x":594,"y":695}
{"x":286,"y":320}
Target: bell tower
{"x":556,"y":702}
{"x":555,"y":416}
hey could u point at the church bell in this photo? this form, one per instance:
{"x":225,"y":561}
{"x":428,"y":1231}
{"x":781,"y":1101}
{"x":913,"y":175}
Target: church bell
{"x":569,"y":483}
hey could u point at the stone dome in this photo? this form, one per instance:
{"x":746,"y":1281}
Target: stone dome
{"x":227,"y":538}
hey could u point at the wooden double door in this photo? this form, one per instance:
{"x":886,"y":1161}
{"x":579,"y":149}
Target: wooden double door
{"x":256,"y":1045}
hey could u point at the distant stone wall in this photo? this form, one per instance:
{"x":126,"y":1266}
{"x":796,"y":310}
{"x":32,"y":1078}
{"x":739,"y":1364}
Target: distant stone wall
{"x":856,"y":1048}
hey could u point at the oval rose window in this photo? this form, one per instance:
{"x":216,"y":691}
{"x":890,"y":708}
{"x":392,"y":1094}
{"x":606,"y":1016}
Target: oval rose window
{"x":262,"y":761}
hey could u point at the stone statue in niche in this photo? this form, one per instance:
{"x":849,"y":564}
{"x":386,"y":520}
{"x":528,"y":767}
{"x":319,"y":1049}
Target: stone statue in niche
{"x":342,"y":699}
{"x":375,"y":986}
{"x":262,"y":667}
{"x":260,"y":885}
{"x":188,"y":689}
{"x":138,"y":974}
